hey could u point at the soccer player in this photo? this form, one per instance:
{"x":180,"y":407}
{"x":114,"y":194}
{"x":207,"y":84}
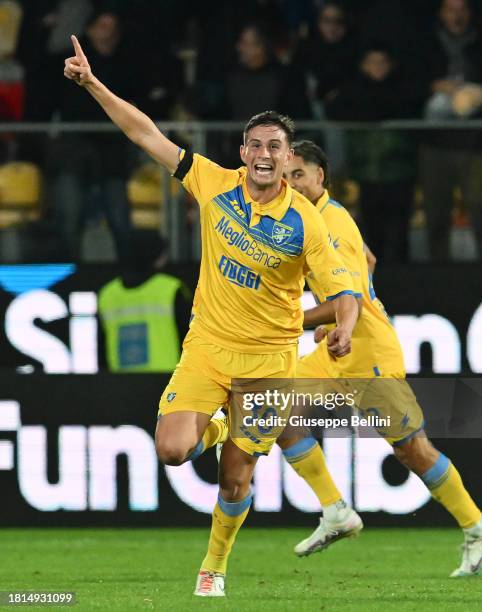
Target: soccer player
{"x":376,"y":353}
{"x":259,"y":238}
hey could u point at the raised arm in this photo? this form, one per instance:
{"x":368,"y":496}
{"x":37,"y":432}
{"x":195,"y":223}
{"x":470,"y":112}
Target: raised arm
{"x":136,"y":125}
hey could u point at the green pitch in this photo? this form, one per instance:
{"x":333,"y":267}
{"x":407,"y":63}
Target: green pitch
{"x":384,"y":569}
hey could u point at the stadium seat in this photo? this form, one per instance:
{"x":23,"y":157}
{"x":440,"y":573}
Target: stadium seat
{"x":20,"y":189}
{"x":145,"y":193}
{"x":10,"y":20}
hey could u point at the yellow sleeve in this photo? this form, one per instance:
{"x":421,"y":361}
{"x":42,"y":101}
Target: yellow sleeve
{"x":329,"y":275}
{"x":348,"y":248}
{"x":203,"y":178}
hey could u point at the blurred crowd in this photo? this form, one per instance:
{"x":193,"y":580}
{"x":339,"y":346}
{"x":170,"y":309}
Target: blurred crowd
{"x":360,"y":61}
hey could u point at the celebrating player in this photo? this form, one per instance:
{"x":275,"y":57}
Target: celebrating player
{"x":376,"y":355}
{"x":259,"y":237}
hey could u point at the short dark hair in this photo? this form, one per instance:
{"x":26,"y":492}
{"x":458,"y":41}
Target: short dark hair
{"x":271,"y":117}
{"x":311,"y":153}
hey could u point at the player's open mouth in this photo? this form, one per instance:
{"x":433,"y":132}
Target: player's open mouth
{"x":263,"y":169}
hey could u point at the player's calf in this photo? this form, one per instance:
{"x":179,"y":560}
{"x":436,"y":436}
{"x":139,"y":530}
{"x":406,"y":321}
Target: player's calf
{"x":417,"y":454}
{"x":306,"y":457}
{"x":235,"y":473}
{"x":234,"y":501}
{"x":445,"y":485}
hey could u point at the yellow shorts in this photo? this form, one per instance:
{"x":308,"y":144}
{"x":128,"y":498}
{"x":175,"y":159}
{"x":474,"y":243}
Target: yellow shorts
{"x":390,"y":398}
{"x":317,"y":364}
{"x":203,"y":381}
{"x":387,"y":397}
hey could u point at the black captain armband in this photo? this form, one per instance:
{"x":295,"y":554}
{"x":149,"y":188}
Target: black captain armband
{"x":184,"y":166}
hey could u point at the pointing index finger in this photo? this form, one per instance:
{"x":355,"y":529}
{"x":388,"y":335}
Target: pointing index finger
{"x":79,"y":54}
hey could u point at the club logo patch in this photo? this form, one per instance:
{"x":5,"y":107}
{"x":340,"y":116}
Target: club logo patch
{"x":171,"y":396}
{"x":281,"y":233}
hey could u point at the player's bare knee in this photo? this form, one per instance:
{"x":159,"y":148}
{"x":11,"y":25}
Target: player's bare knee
{"x":233,"y":487}
{"x":172,"y":446}
{"x":234,"y":492}
{"x":170,"y":453}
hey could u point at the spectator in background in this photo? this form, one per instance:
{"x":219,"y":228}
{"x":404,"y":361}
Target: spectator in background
{"x":144,"y":312}
{"x":161,"y":74}
{"x":43,"y":39}
{"x":212,"y":66}
{"x":328,"y":59}
{"x":401,"y":24}
{"x":329,"y":56}
{"x":452,"y":158}
{"x":153,"y":32}
{"x":382,"y":161}
{"x":89,"y":170}
{"x":44,"y":34}
{"x":258,"y":80}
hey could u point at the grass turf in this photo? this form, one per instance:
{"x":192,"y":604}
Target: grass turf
{"x":155,"y":569}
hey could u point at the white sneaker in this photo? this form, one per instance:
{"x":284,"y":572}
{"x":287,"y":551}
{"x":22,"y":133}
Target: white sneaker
{"x":471,"y":553}
{"x":329,"y":532}
{"x":209,"y":584}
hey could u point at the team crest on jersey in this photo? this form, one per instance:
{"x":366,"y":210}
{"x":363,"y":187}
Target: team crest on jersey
{"x":281,"y":233}
{"x":170,"y":396}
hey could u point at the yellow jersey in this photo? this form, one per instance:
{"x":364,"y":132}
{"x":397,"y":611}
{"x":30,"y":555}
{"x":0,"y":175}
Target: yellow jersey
{"x":254,"y":259}
{"x":376,"y":350}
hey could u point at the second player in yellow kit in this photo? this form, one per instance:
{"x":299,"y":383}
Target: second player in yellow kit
{"x":376,"y":366}
{"x":376,"y":351}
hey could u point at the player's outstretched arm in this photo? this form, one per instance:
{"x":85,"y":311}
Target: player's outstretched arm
{"x":136,"y":125}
